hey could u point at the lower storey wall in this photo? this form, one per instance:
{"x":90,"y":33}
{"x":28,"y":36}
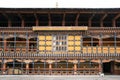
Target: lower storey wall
{"x":59,"y":67}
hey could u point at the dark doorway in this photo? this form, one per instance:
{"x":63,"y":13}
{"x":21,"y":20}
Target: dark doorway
{"x":107,"y":68}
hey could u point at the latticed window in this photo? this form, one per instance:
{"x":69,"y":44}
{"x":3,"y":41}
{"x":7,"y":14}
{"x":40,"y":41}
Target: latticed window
{"x":59,"y":42}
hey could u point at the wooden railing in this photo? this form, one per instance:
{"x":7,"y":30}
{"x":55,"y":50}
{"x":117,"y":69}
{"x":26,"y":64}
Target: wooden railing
{"x":26,"y":55}
{"x":101,"y":49}
{"x":53,"y":71}
{"x":15,"y":28}
{"x":104,"y":28}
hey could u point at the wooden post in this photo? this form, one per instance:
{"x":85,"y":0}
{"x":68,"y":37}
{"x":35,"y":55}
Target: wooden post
{"x":28,"y":46}
{"x":27,"y":42}
{"x":4,"y":67}
{"x":112,"y":67}
{"x":27,"y":68}
{"x":101,"y":24}
{"x":76,"y":21}
{"x":37,"y":22}
{"x":114,"y":20}
{"x":63,"y":21}
{"x":27,"y":65}
{"x":113,"y":23}
{"x":100,"y":42}
{"x":9,"y":23}
{"x":5,"y":44}
{"x":23,"y":22}
{"x":101,"y":20}
{"x":50,"y":67}
{"x":75,"y":66}
{"x":90,"y":20}
{"x":89,"y":23}
{"x":49,"y":17}
{"x":100,"y":66}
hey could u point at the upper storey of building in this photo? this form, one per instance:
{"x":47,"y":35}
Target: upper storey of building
{"x":28,"y":17}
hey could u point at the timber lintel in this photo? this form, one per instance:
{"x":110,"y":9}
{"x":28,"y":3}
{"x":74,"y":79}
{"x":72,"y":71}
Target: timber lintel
{"x":56,"y":28}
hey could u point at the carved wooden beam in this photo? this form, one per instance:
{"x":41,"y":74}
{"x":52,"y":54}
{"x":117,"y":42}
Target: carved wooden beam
{"x":63,"y":21}
{"x":90,"y":20}
{"x":101,"y":20}
{"x":114,"y":20}
{"x":76,"y":20}
{"x":57,"y":28}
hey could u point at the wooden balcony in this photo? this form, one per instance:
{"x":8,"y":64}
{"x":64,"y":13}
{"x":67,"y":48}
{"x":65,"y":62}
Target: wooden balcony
{"x":86,"y":49}
{"x":29,"y":29}
{"x":33,"y":54}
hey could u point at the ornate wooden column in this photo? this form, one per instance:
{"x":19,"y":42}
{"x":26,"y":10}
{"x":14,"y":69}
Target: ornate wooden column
{"x":75,"y":66}
{"x":27,"y":67}
{"x":100,"y":66}
{"x":50,"y":66}
{"x":4,"y":67}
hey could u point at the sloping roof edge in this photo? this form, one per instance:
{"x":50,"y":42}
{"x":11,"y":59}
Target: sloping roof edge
{"x":1,"y":8}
